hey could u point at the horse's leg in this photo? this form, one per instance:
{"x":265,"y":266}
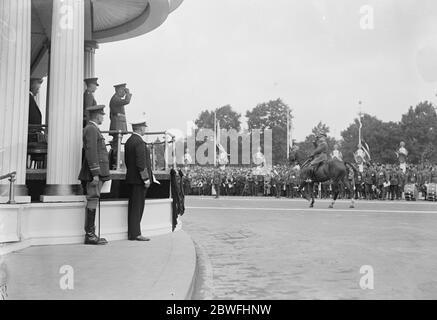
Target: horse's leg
{"x":301,"y":189}
{"x":351,"y":192}
{"x":312,"y":194}
{"x":335,"y":192}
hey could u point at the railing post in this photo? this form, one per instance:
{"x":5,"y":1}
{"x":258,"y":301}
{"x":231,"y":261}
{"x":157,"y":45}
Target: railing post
{"x":174,"y":153}
{"x":12,"y":189}
{"x":120,"y":136}
{"x":165,"y":152}
{"x":153,"y":157}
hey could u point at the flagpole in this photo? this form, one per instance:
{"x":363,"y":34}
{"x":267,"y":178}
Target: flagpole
{"x":359,"y":119}
{"x":291,"y":131}
{"x":288,"y":135}
{"x":215,"y":139}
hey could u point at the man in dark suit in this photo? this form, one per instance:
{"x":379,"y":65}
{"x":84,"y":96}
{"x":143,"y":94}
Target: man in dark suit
{"x":88,"y":97}
{"x":35,"y":116}
{"x":94,"y":171}
{"x":139,"y":177}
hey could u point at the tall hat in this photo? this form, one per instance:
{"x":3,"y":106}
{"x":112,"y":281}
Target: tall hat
{"x":89,"y":81}
{"x":96,"y":109}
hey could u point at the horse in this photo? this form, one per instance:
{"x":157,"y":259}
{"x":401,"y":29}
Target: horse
{"x":334,"y":170}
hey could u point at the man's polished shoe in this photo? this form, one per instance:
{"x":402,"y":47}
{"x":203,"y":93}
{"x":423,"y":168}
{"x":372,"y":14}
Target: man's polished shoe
{"x":140,"y":238}
{"x":94,"y":240}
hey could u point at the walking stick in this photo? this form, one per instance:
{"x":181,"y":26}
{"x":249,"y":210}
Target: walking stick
{"x":99,"y":218}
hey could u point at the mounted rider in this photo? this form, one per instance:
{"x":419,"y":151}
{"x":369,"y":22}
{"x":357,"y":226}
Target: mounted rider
{"x":320,"y":154}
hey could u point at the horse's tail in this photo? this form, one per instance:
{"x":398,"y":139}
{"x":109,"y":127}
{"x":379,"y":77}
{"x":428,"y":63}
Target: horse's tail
{"x":350,"y":165}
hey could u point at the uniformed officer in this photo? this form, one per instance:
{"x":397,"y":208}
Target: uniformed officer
{"x":320,"y":154}
{"x":88,"y":97}
{"x":95,"y":170}
{"x":117,"y":115}
{"x":139,"y":177}
{"x":217,"y":179}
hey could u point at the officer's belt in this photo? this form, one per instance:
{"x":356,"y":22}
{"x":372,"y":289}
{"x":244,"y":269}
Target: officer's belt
{"x":118,"y":115}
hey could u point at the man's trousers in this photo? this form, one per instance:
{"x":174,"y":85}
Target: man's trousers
{"x":137,"y":196}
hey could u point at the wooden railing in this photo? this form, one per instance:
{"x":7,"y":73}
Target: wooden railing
{"x":37,"y":146}
{"x":12,"y":179}
{"x":166,"y":143}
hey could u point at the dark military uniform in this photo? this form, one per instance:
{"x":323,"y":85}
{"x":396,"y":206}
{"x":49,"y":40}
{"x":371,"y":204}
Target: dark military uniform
{"x":96,"y":161}
{"x":117,"y":116}
{"x":118,"y":113}
{"x":95,"y":164}
{"x":320,"y":154}
{"x":217,"y":182}
{"x":394,"y":184}
{"x":88,"y":101}
{"x":369,"y":181}
{"x":382,"y":177}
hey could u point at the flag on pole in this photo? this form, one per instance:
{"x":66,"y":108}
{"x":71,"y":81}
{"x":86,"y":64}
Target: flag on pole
{"x":219,"y":145}
{"x":366,"y":149}
{"x":222,"y":155}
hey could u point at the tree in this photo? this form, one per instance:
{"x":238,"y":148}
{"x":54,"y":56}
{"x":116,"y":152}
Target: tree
{"x":229,"y":119}
{"x":419,"y":131}
{"x":417,"y":128}
{"x":272,"y":115}
{"x":268,"y":115}
{"x":307,"y":145}
{"x":382,"y":138}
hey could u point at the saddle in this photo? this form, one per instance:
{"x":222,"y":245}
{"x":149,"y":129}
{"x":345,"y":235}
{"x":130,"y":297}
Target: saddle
{"x":313,"y":169}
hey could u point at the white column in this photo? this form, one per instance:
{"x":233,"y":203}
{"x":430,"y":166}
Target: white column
{"x":15,"y":24}
{"x":66,"y":99}
{"x":89,"y":59}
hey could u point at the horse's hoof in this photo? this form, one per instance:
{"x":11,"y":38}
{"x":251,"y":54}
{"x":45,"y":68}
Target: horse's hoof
{"x":351,"y":206}
{"x":311,"y":206}
{"x":331,"y":206}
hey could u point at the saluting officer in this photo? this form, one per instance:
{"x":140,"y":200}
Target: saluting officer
{"x":88,"y":97}
{"x":139,"y":177}
{"x":119,"y":100}
{"x":95,"y":170}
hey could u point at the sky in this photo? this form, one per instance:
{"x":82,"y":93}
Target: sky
{"x":315,"y":55}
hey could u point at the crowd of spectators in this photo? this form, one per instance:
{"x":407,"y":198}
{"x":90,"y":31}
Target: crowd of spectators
{"x":375,"y":182}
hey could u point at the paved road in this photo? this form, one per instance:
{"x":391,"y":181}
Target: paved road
{"x":262,"y":248}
